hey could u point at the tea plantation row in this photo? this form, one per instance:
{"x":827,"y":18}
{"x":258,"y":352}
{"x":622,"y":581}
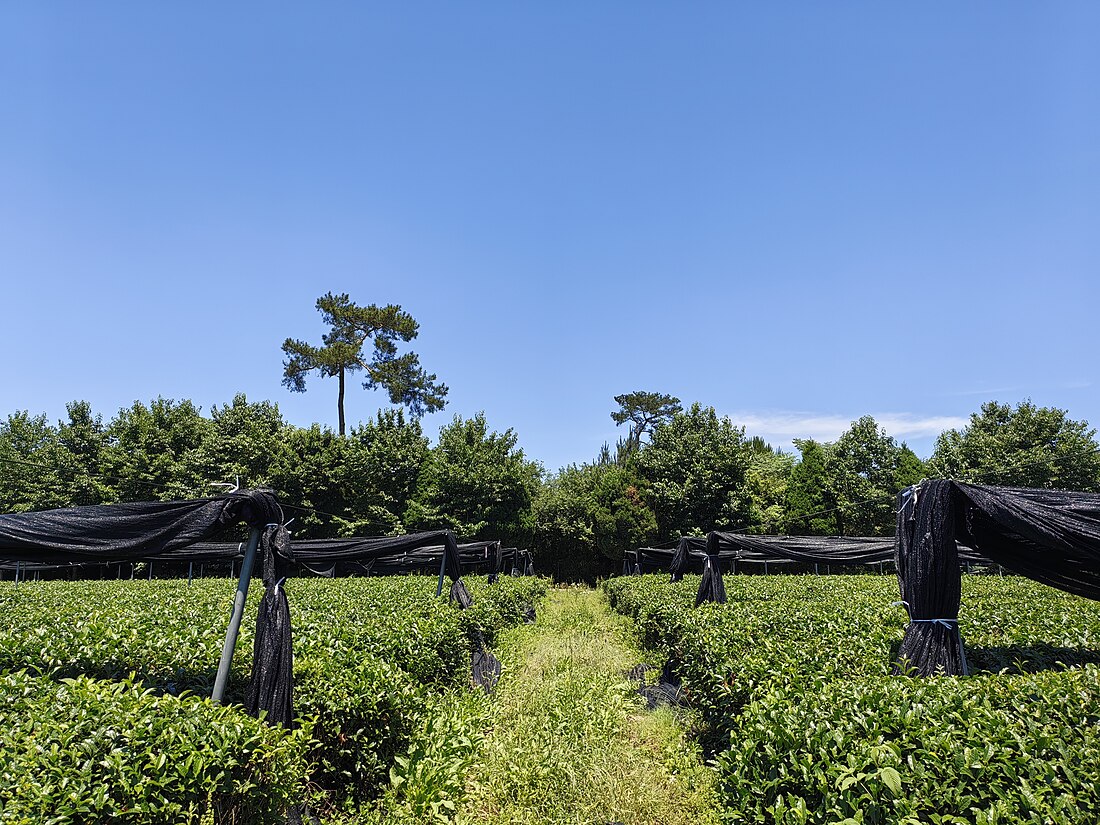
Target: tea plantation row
{"x":792,"y":682}
{"x":102,"y":686}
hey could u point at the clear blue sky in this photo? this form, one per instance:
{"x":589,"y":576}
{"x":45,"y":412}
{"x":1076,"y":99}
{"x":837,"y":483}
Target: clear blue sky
{"x":797,"y":213}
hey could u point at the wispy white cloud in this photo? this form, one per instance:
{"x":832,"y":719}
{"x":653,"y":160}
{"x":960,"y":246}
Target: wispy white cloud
{"x":785,"y":425}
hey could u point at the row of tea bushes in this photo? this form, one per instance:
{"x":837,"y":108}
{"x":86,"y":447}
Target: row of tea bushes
{"x":792,"y":681}
{"x":367,"y":652}
{"x":87,"y":750}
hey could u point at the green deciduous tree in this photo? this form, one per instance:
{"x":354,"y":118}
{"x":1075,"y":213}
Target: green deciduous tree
{"x":310,"y":474}
{"x":766,"y":479}
{"x":696,"y":465}
{"x":83,"y":439}
{"x":30,"y":458}
{"x":158,"y":452}
{"x":810,"y":506}
{"x":866,"y":469}
{"x":644,"y":410}
{"x":587,"y":516}
{"x":351,"y":328}
{"x":245,"y":440}
{"x":476,"y":482}
{"x":1028,"y":446}
{"x":384,"y":460}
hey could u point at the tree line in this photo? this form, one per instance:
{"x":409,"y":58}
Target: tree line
{"x":677,"y":472}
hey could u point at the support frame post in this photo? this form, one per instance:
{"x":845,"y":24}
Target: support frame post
{"x":234,"y":629}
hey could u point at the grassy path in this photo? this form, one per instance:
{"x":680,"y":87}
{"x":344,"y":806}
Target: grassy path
{"x":569,"y":740}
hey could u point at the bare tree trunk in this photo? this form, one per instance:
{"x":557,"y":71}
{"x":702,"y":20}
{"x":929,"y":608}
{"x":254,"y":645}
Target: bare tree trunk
{"x":340,"y":401}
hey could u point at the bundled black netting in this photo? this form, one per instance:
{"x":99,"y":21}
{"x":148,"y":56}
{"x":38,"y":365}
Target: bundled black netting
{"x":497,"y":558}
{"x":460,"y":595}
{"x":272,"y":687}
{"x":484,"y":666}
{"x":679,"y":564}
{"x":711,"y":586}
{"x":928,"y":574}
{"x":1051,"y":536}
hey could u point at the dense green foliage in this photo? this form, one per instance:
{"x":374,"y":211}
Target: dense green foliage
{"x":792,"y":680}
{"x":694,"y":471}
{"x":848,"y":487}
{"x":85,"y":750}
{"x":477,"y":483}
{"x":1027,"y":446}
{"x":597,"y":507}
{"x":696,"y":465}
{"x":368,"y":653}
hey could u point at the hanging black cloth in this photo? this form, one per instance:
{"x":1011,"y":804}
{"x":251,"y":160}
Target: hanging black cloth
{"x":272,"y":686}
{"x":930,"y":581}
{"x":711,"y":586}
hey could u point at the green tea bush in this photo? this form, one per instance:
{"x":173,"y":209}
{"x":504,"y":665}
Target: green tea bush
{"x":82,"y":750}
{"x":792,"y":681}
{"x":989,"y":749}
{"x":368,"y":652}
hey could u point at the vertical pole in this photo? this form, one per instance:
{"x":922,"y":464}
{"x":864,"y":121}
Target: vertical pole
{"x":150,"y":571}
{"x":190,"y":570}
{"x":17,"y":572}
{"x":442,"y":571}
{"x":235,"y":619}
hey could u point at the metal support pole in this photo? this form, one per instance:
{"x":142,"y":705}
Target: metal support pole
{"x":150,"y":571}
{"x":442,"y":571}
{"x":17,"y":572}
{"x":190,"y":570}
{"x":235,"y":619}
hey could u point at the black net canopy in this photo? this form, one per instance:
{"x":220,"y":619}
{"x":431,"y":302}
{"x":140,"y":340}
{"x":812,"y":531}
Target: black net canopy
{"x":1051,"y":536}
{"x":720,"y":552}
{"x":123,"y":532}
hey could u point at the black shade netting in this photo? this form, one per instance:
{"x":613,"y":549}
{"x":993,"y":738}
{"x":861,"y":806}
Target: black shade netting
{"x":678,"y":565}
{"x":841,"y":550}
{"x":484,"y":666}
{"x":460,"y":595}
{"x":930,"y":581}
{"x":128,"y":532}
{"x":711,"y":587}
{"x":271,"y":689}
{"x":1051,"y":536}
